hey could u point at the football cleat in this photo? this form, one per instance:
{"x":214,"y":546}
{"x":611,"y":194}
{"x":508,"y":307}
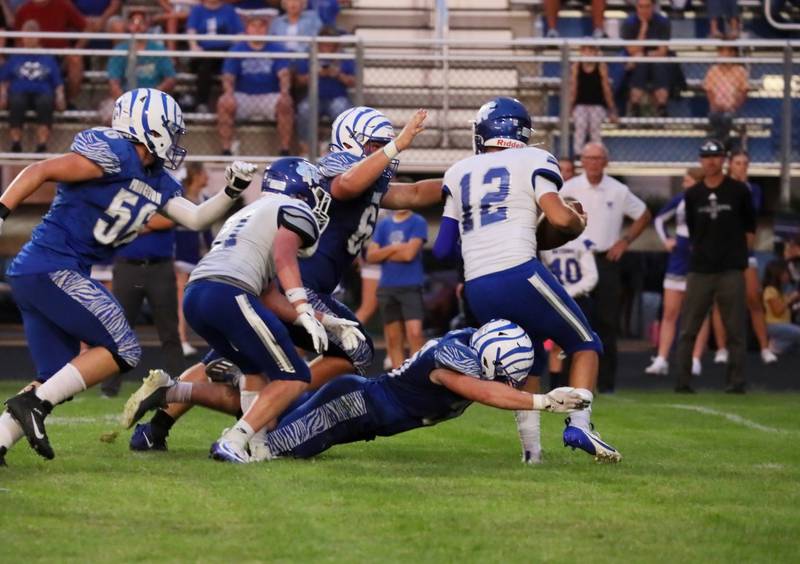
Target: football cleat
{"x":3,"y":451}
{"x":590,"y":442}
{"x":30,"y":411}
{"x":152,"y":394}
{"x":259,"y":451}
{"x":143,"y":439}
{"x":228,"y":451}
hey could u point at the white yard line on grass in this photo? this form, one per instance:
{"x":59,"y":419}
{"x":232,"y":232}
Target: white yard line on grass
{"x":107,"y":418}
{"x":732,"y":417}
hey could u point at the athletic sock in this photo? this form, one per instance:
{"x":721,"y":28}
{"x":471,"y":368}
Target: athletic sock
{"x":582,"y":419}
{"x":528,"y":427}
{"x":10,"y":431}
{"x":240,"y":433}
{"x":247,"y":398}
{"x":62,"y":385}
{"x":161,"y":423}
{"x":181,"y":392}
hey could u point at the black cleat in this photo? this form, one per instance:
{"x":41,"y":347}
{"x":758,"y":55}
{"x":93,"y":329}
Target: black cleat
{"x":3,"y":451}
{"x":30,"y":411}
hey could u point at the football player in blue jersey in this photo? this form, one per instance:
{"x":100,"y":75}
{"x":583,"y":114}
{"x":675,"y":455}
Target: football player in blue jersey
{"x":438,"y":383}
{"x":109,"y":185}
{"x":496,"y":200}
{"x":358,"y":173}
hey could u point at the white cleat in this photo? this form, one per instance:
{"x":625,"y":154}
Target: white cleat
{"x":659,"y":367}
{"x":768,"y":357}
{"x":152,"y":394}
{"x":721,"y":356}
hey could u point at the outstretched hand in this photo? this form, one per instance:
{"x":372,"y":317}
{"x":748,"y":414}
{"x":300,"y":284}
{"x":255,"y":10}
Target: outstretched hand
{"x":413,"y":128}
{"x":565,"y":399}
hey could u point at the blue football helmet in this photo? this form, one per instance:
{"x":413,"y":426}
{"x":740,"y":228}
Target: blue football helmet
{"x":502,"y":122}
{"x":298,"y":178}
{"x":505,"y":351}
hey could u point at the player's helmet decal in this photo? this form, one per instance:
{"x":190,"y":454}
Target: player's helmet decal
{"x":298,"y":178}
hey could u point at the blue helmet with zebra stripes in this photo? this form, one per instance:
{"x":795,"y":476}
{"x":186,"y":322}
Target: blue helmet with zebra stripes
{"x":353,"y":129}
{"x":154,"y":119}
{"x":505,"y":351}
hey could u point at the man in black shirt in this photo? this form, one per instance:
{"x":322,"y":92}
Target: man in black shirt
{"x":721,"y":221}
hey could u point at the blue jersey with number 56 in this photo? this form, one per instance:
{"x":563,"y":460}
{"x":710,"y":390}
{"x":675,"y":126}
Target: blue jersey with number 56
{"x":349,"y":229}
{"x":88,"y":220}
{"x":495,"y":199}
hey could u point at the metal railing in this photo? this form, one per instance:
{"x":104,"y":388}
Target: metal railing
{"x":453,"y":77}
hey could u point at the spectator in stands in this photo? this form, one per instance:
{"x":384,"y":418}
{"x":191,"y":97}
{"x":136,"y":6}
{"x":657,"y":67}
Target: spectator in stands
{"x":397,"y":246}
{"x":721,"y":221}
{"x":335,"y":77}
{"x":151,"y":72}
{"x":97,"y":12}
{"x":591,"y":99}
{"x":655,"y":78}
{"x":607,"y":203}
{"x":254,"y":88}
{"x":327,"y":10}
{"x":31,"y":82}
{"x":190,"y":246}
{"x":174,"y":14}
{"x":58,"y":15}
{"x":210,"y":17}
{"x":779,"y":304}
{"x":296,"y":21}
{"x":728,"y":12}
{"x":552,"y":7}
{"x":726,"y":87}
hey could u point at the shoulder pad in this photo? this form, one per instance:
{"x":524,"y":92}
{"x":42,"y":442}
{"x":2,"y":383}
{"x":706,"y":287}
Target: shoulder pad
{"x":334,"y":164}
{"x":297,"y":217}
{"x":105,"y":147}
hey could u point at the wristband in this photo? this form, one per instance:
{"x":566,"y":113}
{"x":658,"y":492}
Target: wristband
{"x":4,"y":211}
{"x":296,"y":294}
{"x":540,"y":402}
{"x":390,"y":150}
{"x":305,"y":307}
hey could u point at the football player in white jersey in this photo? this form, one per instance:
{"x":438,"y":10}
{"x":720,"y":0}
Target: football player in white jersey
{"x":495,"y":199}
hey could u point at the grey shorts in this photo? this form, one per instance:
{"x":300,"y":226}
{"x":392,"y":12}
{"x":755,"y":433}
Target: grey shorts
{"x":401,"y":303}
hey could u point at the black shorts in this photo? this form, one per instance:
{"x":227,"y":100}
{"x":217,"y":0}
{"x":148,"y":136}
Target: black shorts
{"x":401,"y":303}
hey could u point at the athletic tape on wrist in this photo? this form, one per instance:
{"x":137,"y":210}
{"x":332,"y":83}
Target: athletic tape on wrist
{"x":390,"y":150}
{"x":296,"y":294}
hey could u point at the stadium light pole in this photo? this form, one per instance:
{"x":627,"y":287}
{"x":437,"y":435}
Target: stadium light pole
{"x":786,"y":129}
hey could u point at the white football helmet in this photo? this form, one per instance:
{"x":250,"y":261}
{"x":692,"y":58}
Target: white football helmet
{"x":154,"y":119}
{"x":505,"y":351}
{"x":356,"y":127}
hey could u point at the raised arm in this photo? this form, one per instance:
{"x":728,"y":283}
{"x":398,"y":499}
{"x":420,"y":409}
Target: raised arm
{"x":363,"y":174}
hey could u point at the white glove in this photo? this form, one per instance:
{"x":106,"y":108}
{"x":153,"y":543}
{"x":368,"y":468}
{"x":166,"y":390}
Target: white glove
{"x":307,"y":320}
{"x":345,"y":330}
{"x":238,"y":176}
{"x":560,"y":400}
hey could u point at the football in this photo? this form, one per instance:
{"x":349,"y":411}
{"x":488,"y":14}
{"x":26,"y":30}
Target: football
{"x":549,"y":237}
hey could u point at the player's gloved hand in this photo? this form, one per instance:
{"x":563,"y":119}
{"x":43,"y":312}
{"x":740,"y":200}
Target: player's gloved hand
{"x":238,"y":176}
{"x":307,"y":320}
{"x":560,"y":400}
{"x":223,"y":370}
{"x":345,"y":330}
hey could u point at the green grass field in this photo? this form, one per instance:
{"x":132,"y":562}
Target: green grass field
{"x":694,"y":486}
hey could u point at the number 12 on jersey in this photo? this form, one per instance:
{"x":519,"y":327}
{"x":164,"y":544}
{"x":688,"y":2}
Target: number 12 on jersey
{"x":495,"y":188}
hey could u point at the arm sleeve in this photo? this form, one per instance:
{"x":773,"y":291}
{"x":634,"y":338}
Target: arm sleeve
{"x":450,"y":207}
{"x":546,"y":176}
{"x":666,"y":214}
{"x":93,"y":146}
{"x":634,"y":206}
{"x":197,"y":217}
{"x":446,"y":244}
{"x":457,"y":357}
{"x":299,"y":221}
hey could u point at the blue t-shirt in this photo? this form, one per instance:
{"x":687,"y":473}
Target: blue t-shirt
{"x":31,"y":74}
{"x":349,"y":229}
{"x":91,"y":8}
{"x":87,"y":221}
{"x":150,"y":71}
{"x":329,"y":88}
{"x":411,"y":384}
{"x":255,"y":76}
{"x":221,"y":21}
{"x":389,"y":231}
{"x":152,"y":245}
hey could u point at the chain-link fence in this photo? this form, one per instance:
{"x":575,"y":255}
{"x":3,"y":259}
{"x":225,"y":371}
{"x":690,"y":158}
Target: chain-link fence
{"x":652,"y":112}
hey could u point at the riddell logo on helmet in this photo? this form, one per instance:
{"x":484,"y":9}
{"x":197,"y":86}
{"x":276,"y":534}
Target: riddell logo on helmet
{"x":508,"y":143}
